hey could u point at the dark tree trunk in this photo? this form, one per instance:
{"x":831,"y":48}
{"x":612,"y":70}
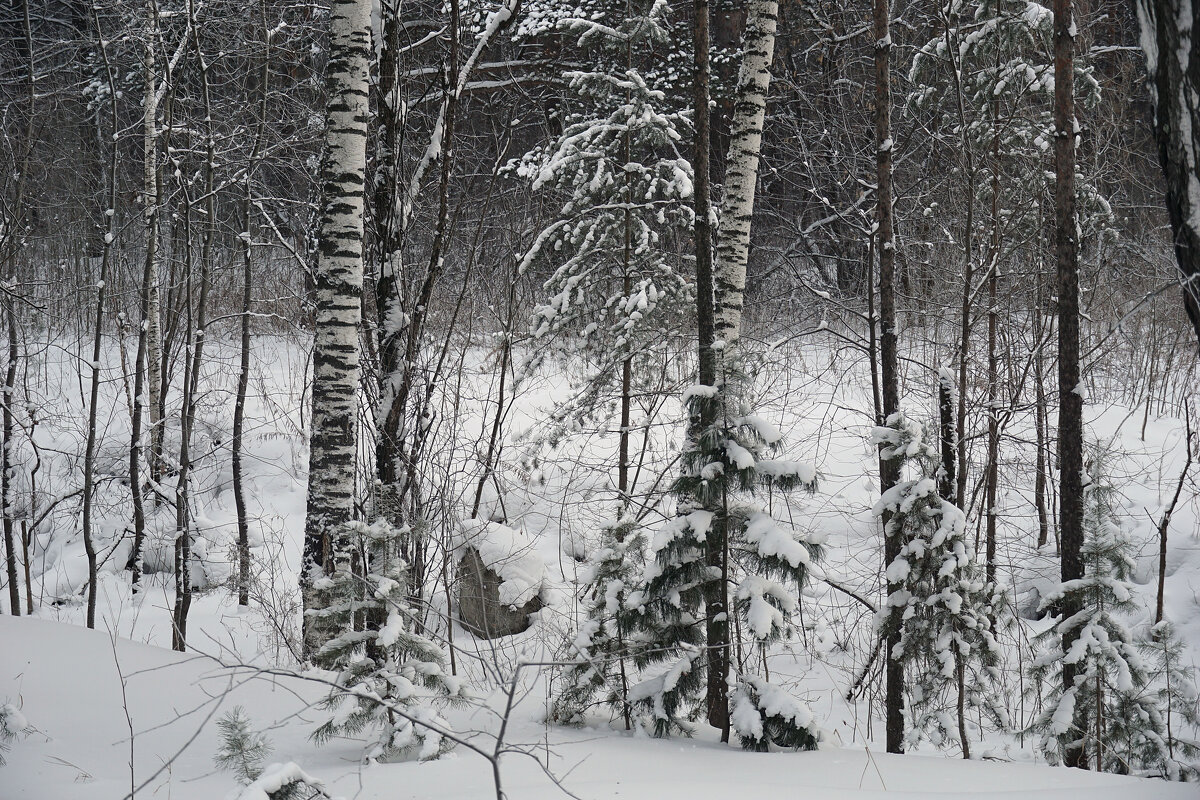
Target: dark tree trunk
{"x":717,"y":696}
{"x":1066,"y":249}
{"x":889,"y":366}
{"x":946,"y":423}
{"x":1173,"y":67}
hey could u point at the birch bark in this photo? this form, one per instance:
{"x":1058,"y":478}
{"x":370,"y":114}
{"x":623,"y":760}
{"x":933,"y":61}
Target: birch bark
{"x":338,"y":282}
{"x":741,"y":174}
{"x":729,"y":286}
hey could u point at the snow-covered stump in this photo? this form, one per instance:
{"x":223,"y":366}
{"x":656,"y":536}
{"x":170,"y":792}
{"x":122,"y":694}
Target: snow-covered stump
{"x":500,"y":580}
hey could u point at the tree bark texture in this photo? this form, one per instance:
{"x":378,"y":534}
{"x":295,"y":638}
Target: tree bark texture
{"x":1173,"y":69}
{"x":1066,"y":249}
{"x":889,"y":364}
{"x":338,"y":282}
{"x":729,"y":286}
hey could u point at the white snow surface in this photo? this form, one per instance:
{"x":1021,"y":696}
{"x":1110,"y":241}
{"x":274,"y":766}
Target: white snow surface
{"x":80,"y":746}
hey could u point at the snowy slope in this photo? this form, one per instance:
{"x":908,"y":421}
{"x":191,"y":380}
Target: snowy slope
{"x":68,"y":682}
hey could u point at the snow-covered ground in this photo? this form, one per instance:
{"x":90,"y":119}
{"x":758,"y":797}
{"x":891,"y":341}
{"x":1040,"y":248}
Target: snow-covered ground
{"x":84,"y":691}
{"x":67,"y":680}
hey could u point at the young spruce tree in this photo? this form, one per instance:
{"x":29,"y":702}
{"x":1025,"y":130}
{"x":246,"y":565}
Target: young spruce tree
{"x":391,"y":679}
{"x":945,"y":610}
{"x":614,"y":287}
{"x":1109,"y":718}
{"x":725,"y":466}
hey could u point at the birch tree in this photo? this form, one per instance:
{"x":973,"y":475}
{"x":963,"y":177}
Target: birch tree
{"x":722,"y":458}
{"x":729,"y":286}
{"x":338,"y":281}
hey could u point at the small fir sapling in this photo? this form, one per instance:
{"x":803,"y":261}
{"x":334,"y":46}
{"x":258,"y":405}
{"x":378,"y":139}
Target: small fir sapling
{"x":391,"y":680}
{"x":726,"y":470}
{"x":1176,"y":754}
{"x":12,"y":725}
{"x":600,"y":649}
{"x":243,"y":751}
{"x":1111,"y":713}
{"x":945,"y":611}
{"x":765,"y":715}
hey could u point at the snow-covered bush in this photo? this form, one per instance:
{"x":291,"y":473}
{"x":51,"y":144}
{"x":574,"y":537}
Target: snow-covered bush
{"x":242,"y":750}
{"x":388,"y":677}
{"x":1176,"y":754}
{"x":284,"y":782}
{"x":600,"y":646}
{"x":945,"y":611}
{"x":765,"y":715}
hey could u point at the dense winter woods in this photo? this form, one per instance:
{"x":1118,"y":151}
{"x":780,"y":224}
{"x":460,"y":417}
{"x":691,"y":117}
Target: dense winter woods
{"x":798,"y":375}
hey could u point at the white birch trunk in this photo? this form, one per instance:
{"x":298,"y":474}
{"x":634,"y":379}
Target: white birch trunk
{"x":150,"y":199}
{"x":741,"y":175}
{"x":339,"y":281}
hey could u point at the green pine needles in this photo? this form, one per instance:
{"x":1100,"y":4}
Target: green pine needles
{"x":1131,"y":694}
{"x":945,"y":611}
{"x":389,"y":679}
{"x":727,"y":470}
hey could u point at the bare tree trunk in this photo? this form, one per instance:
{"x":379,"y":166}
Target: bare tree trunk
{"x":1070,"y":415}
{"x":889,"y":365}
{"x":1171,"y":61}
{"x":391,"y":224}
{"x":717,"y":694}
{"x":729,"y":282}
{"x":191,"y":372}
{"x":401,"y":329}
{"x":991,"y":478}
{"x":183,"y":539}
{"x":1165,"y":523}
{"x":6,"y":466}
{"x":1041,"y":480}
{"x":946,"y":419}
{"x":964,"y":343}
{"x":623,"y":499}
{"x":151,"y":312}
{"x":243,"y":383}
{"x":338,"y":278}
{"x":89,"y":453}
{"x":239,"y":404}
{"x":146,"y":354}
{"x":960,"y":679}
{"x":10,"y":311}
{"x":741,"y":173}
